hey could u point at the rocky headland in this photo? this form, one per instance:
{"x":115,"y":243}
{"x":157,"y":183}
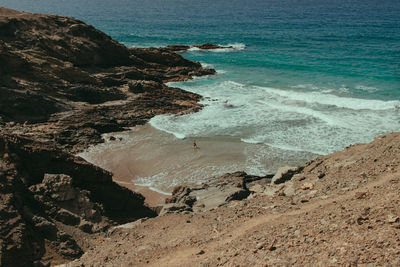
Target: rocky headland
{"x":63,"y":84}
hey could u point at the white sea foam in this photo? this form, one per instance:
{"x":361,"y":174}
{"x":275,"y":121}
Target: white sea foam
{"x":206,"y":65}
{"x":210,"y":66}
{"x":235,"y":47}
{"x":194,"y":49}
{"x":155,"y":122}
{"x":330,"y":99}
{"x":313,"y":121}
{"x":367,"y":88}
{"x":151,"y":187}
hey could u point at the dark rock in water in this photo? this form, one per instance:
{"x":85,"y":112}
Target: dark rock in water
{"x":177,"y":48}
{"x":205,"y":46}
{"x":211,"y":46}
{"x":112,"y":138}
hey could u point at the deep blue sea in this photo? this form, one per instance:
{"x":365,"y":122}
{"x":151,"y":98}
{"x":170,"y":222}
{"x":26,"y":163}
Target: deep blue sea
{"x":304,"y":75}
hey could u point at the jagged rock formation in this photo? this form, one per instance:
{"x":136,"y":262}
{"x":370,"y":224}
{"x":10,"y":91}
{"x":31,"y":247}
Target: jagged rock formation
{"x":44,"y":190}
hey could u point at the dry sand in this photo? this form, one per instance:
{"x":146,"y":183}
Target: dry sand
{"x":146,"y":158}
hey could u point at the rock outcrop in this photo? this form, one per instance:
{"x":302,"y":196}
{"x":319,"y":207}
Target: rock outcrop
{"x":62,"y":84}
{"x":216,"y":193}
{"x":54,"y":64}
{"x":45,"y":190}
{"x":284,"y":174}
{"x":205,"y":46}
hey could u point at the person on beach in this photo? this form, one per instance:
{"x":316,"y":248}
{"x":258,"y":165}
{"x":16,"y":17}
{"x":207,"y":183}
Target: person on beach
{"x":194,"y":144}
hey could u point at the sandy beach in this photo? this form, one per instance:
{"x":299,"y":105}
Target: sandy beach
{"x":152,"y":162}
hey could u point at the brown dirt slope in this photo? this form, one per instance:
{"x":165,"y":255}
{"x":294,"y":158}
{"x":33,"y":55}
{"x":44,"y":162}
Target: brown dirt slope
{"x":341,"y":209}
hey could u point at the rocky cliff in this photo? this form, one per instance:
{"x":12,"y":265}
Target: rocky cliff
{"x":62,"y":84}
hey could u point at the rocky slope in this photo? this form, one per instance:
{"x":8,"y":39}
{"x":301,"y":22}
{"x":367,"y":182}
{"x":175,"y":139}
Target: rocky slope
{"x":62,"y":84}
{"x":338,"y":210}
{"x":52,"y":64}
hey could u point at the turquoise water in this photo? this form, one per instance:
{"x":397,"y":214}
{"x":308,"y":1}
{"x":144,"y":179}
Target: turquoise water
{"x":304,"y":75}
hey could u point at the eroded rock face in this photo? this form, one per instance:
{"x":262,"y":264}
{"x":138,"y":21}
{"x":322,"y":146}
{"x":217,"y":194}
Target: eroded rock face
{"x":218,"y":192}
{"x":62,"y":84}
{"x":20,"y":244}
{"x":284,"y":174}
{"x":35,"y":203}
{"x":59,"y":186}
{"x":75,"y":203}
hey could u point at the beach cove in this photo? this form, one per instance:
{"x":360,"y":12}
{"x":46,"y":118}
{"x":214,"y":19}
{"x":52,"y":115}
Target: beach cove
{"x":312,"y":83}
{"x":146,"y":158}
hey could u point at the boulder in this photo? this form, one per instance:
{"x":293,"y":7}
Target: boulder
{"x":174,"y":208}
{"x":47,"y":228}
{"x":177,"y":48}
{"x":218,"y":192}
{"x":59,"y":187}
{"x":207,"y":46}
{"x":284,"y":174}
{"x":67,"y":217}
{"x":86,"y":226}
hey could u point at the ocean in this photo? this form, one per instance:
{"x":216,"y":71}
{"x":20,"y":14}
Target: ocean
{"x":304,"y":77}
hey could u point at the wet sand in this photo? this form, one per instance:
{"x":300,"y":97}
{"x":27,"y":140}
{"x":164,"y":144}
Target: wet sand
{"x":152,"y":198}
{"x":152,"y":162}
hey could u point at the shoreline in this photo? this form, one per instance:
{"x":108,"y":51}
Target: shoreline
{"x":153,"y":198}
{"x":132,"y":159}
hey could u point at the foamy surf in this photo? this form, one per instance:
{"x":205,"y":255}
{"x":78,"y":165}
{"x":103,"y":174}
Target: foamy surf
{"x":154,"y":159}
{"x":151,"y":187}
{"x":298,"y":120}
{"x":330,"y":99}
